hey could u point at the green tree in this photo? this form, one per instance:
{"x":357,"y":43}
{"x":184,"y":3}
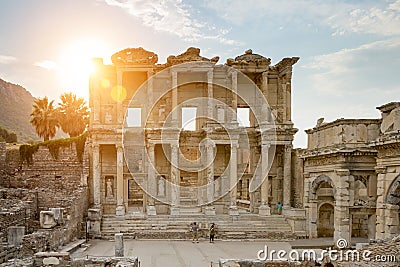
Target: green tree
{"x":44,"y":118}
{"x":73,"y":114}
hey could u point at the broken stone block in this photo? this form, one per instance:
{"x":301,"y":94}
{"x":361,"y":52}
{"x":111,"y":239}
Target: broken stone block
{"x":119,"y":245}
{"x":47,"y":219}
{"x":15,"y":235}
{"x":58,"y":215}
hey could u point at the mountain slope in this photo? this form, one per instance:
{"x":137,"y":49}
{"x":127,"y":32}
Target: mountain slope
{"x":15,"y":107}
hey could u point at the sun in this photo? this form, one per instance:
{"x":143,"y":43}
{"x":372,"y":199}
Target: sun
{"x":75,"y":65}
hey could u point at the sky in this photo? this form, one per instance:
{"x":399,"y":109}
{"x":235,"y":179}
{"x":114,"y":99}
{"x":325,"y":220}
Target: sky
{"x":349,"y":50}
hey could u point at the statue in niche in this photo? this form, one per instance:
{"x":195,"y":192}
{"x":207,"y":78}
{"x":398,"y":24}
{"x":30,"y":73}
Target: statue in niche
{"x":161,"y":186}
{"x":140,"y":165}
{"x":108,"y":117}
{"x":217,"y":188}
{"x":109,"y":191}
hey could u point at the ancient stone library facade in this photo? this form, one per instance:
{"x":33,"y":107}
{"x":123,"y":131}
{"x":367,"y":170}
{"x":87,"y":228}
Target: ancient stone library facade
{"x":192,"y":139}
{"x":195,"y":137}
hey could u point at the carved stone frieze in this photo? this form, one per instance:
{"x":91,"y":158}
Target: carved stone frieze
{"x":191,"y":54}
{"x":134,"y":56}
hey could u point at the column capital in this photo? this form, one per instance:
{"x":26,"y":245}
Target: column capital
{"x":95,"y":145}
{"x":380,"y":170}
{"x":288,"y":147}
{"x":119,"y":146}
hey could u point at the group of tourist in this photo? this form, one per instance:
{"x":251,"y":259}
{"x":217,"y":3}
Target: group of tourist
{"x":194,"y":228}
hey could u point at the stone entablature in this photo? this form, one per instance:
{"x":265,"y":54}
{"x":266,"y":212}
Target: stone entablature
{"x":349,"y":133}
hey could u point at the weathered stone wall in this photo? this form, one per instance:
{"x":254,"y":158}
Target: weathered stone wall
{"x":18,"y":207}
{"x":55,"y":183}
{"x":354,"y":132}
{"x":2,"y":154}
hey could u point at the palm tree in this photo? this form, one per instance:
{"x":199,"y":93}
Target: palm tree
{"x":73,"y":114}
{"x":44,"y":118}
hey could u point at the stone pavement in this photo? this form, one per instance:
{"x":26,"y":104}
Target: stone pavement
{"x":168,"y":253}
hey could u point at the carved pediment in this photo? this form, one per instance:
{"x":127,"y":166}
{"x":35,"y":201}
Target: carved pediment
{"x":134,"y":56}
{"x":191,"y":54}
{"x":285,"y":63}
{"x":249,"y":58}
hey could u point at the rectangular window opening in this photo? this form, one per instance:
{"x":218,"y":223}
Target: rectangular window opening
{"x":243,"y":117}
{"x":134,"y":117}
{"x":189,"y":119}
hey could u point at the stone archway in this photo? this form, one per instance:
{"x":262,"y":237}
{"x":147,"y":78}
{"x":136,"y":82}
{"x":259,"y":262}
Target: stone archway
{"x":325,"y":225}
{"x":393,"y":206}
{"x":322,"y":179}
{"x":393,"y":195}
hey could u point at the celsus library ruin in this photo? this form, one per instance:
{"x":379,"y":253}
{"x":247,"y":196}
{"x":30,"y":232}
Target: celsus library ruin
{"x":193,"y":139}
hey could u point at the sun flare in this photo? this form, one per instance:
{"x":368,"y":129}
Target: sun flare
{"x":75,"y":65}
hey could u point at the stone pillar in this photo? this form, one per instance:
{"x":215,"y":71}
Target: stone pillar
{"x":120,"y":114}
{"x":380,"y":203}
{"x":234,"y":96}
{"x":391,"y":220}
{"x":371,"y":226}
{"x":174,"y":100}
{"x":287,"y":176}
{"x":175,"y":179}
{"x":120,"y":210}
{"x":264,"y":207}
{"x":15,"y":235}
{"x":342,"y":220}
{"x":151,"y":184}
{"x":282,"y":82}
{"x":210,"y":210}
{"x":119,"y":245}
{"x":149,"y":96}
{"x":210,"y":94}
{"x":233,"y":179}
{"x":96,"y":175}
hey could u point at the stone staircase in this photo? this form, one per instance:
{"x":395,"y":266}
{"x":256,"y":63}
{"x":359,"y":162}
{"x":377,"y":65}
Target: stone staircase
{"x":245,"y":227}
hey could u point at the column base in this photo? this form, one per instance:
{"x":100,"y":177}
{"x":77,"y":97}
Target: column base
{"x":285,"y":210}
{"x":233,"y":211}
{"x":174,"y":211}
{"x":120,"y":210}
{"x":151,"y":211}
{"x":210,"y":210}
{"x":264,"y":210}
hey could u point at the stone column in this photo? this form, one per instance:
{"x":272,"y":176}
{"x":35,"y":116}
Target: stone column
{"x":391,"y":220}
{"x":151,"y":189}
{"x":264,"y":207}
{"x":120,"y":115}
{"x":210,"y":210}
{"x":287,"y":176}
{"x":312,"y":216}
{"x":149,"y":96}
{"x":175,"y":180}
{"x":233,"y":179}
{"x":234,"y":96}
{"x":380,"y":203}
{"x":282,"y":81}
{"x":120,"y":210}
{"x":174,"y":99}
{"x":119,"y":245}
{"x":342,"y":220}
{"x":210,"y":94}
{"x":96,"y":175}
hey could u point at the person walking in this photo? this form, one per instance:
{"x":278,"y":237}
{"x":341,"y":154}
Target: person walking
{"x":279,"y":208}
{"x":212,"y":233}
{"x":195,"y":230}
